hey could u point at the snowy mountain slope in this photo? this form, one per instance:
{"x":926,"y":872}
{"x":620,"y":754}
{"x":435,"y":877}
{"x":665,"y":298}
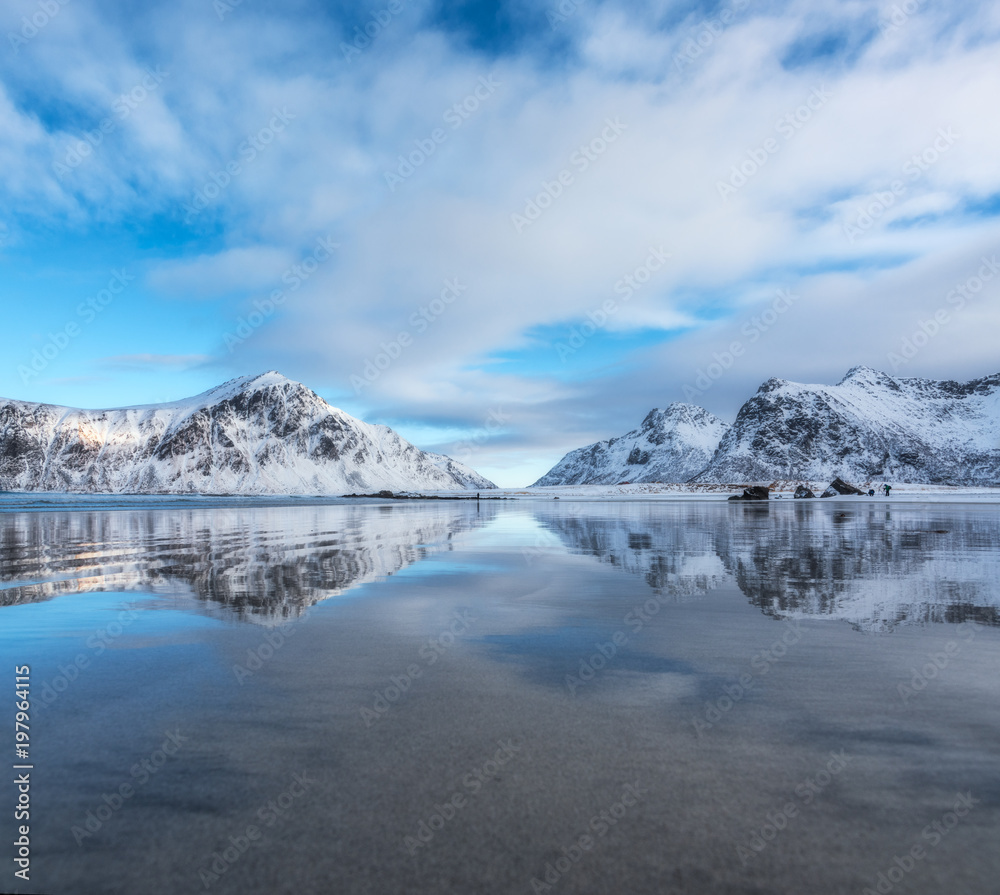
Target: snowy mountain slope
{"x":670,"y":445}
{"x":870,"y":426}
{"x":253,"y":435}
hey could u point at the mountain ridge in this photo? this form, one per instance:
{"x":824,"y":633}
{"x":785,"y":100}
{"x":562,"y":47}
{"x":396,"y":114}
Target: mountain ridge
{"x":869,"y":426}
{"x":258,"y":434}
{"x":670,"y":445}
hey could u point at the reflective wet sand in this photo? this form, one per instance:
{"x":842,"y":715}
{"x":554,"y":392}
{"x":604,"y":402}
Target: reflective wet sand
{"x":671,"y":697}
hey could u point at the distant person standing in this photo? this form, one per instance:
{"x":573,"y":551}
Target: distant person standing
{"x":888,"y":488}
{"x":871,"y":492}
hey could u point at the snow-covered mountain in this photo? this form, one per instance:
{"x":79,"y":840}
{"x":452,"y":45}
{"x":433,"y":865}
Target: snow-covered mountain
{"x":870,"y":426}
{"x":252,"y":435}
{"x":671,"y":445}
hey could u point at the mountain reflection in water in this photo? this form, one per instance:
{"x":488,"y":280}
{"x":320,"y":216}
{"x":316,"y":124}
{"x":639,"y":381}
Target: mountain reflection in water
{"x":873,"y":567}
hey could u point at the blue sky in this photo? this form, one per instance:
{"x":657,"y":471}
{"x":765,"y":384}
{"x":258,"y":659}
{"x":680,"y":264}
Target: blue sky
{"x":559,"y":215}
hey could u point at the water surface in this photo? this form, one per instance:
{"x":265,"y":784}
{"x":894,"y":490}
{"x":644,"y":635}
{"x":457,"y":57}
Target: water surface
{"x":499,"y":697}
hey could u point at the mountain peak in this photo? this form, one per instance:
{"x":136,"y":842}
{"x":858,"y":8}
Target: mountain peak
{"x":258,"y":434}
{"x":773,"y":384}
{"x":678,"y":411}
{"x":257,"y":380}
{"x":861,"y":373}
{"x":670,"y":445}
{"x":868,"y":427}
{"x":681,"y":408}
{"x":243,"y":384}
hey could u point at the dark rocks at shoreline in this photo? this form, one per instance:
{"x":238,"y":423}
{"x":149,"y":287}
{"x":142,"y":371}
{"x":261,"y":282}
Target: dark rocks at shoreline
{"x":754,"y":492}
{"x":839,"y":488}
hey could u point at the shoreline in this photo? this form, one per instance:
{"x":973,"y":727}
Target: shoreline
{"x":41,"y":501}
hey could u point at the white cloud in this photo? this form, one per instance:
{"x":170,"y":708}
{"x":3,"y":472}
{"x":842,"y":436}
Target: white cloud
{"x":209,"y":276}
{"x":657,"y":184}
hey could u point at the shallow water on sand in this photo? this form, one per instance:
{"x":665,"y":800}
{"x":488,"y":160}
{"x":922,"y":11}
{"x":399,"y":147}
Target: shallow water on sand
{"x":508,"y":697}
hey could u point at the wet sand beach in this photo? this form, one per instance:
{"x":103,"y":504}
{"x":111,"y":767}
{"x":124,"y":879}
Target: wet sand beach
{"x":688,"y":697}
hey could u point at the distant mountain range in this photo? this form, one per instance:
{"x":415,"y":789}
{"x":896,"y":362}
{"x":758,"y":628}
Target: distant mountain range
{"x":671,"y":445}
{"x":269,"y":435}
{"x":253,"y":435}
{"x":870,"y":426}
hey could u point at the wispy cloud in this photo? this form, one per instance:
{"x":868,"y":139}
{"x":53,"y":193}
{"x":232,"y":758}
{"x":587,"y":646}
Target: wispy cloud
{"x":228,"y":271}
{"x":160,"y":361}
{"x":700,"y":96}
